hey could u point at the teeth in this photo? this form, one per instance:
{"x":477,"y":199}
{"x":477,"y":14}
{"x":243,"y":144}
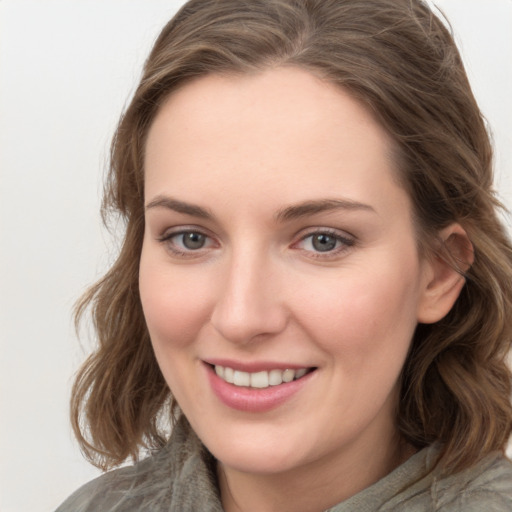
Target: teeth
{"x":229,"y":375}
{"x":258,"y":380}
{"x":300,"y":373}
{"x":241,"y":379}
{"x":288,"y":375}
{"x":275,"y":377}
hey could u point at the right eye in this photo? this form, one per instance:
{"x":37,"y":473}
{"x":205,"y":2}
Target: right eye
{"x":190,"y":240}
{"x":187,"y":241}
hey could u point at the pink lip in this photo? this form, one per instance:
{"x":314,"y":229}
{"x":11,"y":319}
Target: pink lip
{"x":251,"y":399}
{"x":253,"y":366}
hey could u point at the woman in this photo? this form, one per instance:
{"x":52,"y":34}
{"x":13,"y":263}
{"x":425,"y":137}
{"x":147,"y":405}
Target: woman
{"x":314,"y":283}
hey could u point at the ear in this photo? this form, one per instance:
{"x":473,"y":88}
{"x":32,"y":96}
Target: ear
{"x":444,"y":273}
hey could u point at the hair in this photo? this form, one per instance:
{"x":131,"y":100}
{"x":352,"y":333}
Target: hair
{"x":400,"y":60}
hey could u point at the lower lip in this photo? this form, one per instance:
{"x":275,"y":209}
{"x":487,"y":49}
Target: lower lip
{"x":253,"y":399}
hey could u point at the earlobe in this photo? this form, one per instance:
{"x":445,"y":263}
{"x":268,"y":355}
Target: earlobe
{"x":444,"y":274}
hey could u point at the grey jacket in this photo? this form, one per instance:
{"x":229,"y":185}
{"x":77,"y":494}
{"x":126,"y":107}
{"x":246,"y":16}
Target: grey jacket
{"x":181,"y":478}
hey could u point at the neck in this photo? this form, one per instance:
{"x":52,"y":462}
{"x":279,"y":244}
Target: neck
{"x":315,"y":486}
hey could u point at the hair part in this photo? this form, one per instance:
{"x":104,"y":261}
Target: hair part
{"x":400,"y":60}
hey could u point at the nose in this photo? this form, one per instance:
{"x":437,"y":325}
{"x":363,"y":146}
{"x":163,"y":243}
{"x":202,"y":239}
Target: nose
{"x":249,"y":304}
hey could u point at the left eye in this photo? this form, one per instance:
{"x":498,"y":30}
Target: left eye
{"x":323,"y":242}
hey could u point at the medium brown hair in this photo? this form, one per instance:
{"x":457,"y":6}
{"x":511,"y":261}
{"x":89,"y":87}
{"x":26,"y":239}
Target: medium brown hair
{"x":401,"y":61}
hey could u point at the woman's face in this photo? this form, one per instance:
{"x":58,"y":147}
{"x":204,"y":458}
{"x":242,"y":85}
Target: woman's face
{"x":280,"y":253}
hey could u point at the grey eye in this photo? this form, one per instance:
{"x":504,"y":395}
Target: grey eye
{"x":323,"y":242}
{"x":193,"y":240}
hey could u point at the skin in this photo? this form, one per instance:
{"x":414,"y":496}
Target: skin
{"x":247,"y":150}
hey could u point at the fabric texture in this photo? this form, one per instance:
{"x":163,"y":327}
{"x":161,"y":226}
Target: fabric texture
{"x":181,"y":478}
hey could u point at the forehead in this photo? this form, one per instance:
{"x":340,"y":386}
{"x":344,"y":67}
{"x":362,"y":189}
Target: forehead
{"x":301,"y":97}
{"x":282,"y":125}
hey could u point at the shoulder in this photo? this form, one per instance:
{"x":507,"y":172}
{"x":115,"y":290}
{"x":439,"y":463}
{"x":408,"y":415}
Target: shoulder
{"x":123,"y":489}
{"x":417,"y":486}
{"x":179,"y":477}
{"x":487,"y":486}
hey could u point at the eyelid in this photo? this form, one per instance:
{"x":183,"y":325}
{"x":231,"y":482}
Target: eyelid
{"x":347,"y":240}
{"x":166,"y":237}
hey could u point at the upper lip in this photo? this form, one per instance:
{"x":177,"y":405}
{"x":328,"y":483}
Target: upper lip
{"x":255,"y":366}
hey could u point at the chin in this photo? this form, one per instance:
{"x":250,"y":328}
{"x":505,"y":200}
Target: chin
{"x":258,"y":462}
{"x":257,"y":454}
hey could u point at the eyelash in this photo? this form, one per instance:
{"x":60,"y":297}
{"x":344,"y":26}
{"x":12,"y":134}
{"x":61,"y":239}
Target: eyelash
{"x":345,"y":243}
{"x":167,"y":237}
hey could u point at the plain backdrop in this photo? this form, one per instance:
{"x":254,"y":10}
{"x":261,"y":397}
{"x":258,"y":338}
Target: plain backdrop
{"x":67,"y":68}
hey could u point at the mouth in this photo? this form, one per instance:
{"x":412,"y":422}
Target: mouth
{"x":261,"y":379}
{"x":257,"y":387}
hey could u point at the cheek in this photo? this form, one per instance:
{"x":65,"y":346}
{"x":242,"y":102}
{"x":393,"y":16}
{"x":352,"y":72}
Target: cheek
{"x":366,"y":317}
{"x":174,"y":312}
{"x":173,"y":307}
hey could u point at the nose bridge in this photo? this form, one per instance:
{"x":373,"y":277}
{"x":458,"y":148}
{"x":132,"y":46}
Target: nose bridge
{"x":249,"y":303}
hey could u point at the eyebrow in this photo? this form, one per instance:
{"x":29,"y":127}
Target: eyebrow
{"x":180,"y":207}
{"x":286,"y":214}
{"x":319,"y":206}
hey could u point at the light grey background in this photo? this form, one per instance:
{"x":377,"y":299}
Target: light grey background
{"x":67,"y":68}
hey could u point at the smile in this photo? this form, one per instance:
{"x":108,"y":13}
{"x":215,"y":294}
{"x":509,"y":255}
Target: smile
{"x":253,"y":388}
{"x":259,"y":380}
